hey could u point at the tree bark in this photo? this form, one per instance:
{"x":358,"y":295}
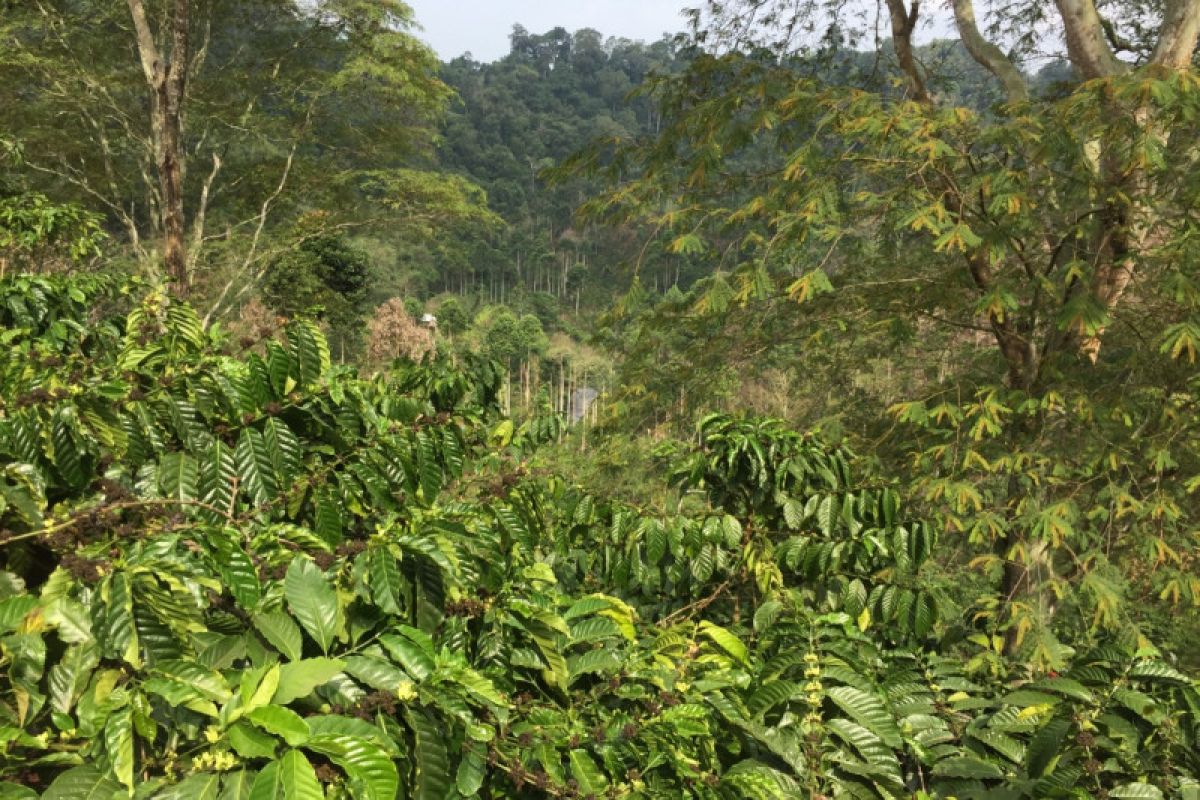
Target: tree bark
{"x":988,"y":55}
{"x":1087,"y":45}
{"x":1134,"y":231}
{"x":167,"y":79}
{"x":904,"y":22}
{"x":1178,"y":35}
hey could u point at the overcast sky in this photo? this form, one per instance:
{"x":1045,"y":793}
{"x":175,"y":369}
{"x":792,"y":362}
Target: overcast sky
{"x":481,"y":27}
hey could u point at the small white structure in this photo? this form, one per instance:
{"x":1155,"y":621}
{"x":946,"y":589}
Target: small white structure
{"x":429,"y":321}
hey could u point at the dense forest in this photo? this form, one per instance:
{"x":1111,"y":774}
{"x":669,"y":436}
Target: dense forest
{"x":802,"y":406}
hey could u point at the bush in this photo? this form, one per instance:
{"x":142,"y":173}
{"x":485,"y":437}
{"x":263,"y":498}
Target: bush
{"x":268,"y":576}
{"x":392,"y":333}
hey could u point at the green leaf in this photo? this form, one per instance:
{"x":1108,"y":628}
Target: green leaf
{"x":471,"y":769}
{"x":209,"y":683}
{"x":726,"y":641}
{"x":281,"y":632}
{"x":249,"y":742}
{"x":257,"y":686}
{"x":867,"y":710}
{"x":924,"y":613}
{"x":237,"y":785}
{"x":309,"y":352}
{"x":383,"y":576}
{"x":769,"y":695}
{"x":1007,"y":746}
{"x":967,"y":767}
{"x":432,"y":778}
{"x":237,"y":571}
{"x":1137,"y":791}
{"x":14,"y":610}
{"x":298,"y":778}
{"x":793,"y":513}
{"x":1065,"y":687}
{"x":284,"y":450}
{"x":282,"y":722}
{"x":122,"y":641}
{"x":867,"y":744}
{"x":1045,"y":744}
{"x":600,"y":661}
{"x":180,"y":694}
{"x":298,"y":678}
{"x":430,"y":469}
{"x":410,"y":653}
{"x":84,"y":783}
{"x":593,"y":629}
{"x":327,"y":517}
{"x":268,"y":784}
{"x":202,"y":786}
{"x":72,"y":620}
{"x":827,"y":515}
{"x":218,"y":479}
{"x":589,"y":777}
{"x":1157,"y":670}
{"x":377,"y":673}
{"x":70,"y":675}
{"x":363,"y":760}
{"x":254,"y":467}
{"x":313,"y":601}
{"x":1139,"y":703}
{"x":118,"y":743}
{"x":178,"y":476}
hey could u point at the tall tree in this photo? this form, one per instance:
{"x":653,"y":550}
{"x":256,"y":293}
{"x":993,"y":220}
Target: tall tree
{"x":166,"y":75}
{"x":1039,"y":223}
{"x":215,"y":127}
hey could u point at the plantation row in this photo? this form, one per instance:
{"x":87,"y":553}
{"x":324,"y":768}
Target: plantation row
{"x":232,"y":570}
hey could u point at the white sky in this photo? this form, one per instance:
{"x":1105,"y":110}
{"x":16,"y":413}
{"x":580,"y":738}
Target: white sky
{"x":481,"y":27}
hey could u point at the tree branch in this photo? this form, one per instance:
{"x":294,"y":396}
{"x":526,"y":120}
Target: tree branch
{"x":1178,"y":35}
{"x":904,"y":22}
{"x":988,"y":55}
{"x":147,"y":51}
{"x":202,"y":214}
{"x":264,"y":212}
{"x":180,"y":29}
{"x":1087,"y":45}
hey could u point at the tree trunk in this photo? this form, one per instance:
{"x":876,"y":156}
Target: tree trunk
{"x":167,"y":79}
{"x":903,"y":23}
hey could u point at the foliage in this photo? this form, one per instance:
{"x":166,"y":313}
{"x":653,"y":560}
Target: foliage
{"x":551,"y":94}
{"x":325,"y":277}
{"x":328,"y":106}
{"x":393,"y":333}
{"x":256,"y":576}
{"x":979,"y":258}
{"x":451,"y":316}
{"x":37,"y":234}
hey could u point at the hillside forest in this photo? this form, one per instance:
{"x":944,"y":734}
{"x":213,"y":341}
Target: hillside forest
{"x":802,"y":405}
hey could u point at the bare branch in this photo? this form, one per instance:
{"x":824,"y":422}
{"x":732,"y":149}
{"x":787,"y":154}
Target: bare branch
{"x":147,"y":50}
{"x":202,"y":214}
{"x":263,"y":214}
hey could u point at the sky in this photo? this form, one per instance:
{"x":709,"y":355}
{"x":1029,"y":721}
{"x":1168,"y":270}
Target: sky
{"x":481,"y":27}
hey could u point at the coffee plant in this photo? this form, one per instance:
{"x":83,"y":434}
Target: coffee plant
{"x":231,"y":570}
